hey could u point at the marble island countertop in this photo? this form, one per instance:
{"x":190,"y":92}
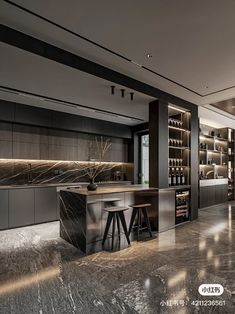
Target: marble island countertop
{"x":121,"y":189}
{"x":112,"y":189}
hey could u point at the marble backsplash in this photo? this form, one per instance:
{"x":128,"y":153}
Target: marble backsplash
{"x":17,"y":172}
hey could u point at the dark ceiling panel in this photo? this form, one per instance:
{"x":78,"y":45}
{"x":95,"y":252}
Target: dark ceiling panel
{"x":226,"y":105}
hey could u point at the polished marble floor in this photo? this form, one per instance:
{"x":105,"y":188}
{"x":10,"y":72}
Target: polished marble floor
{"x":41,"y":273}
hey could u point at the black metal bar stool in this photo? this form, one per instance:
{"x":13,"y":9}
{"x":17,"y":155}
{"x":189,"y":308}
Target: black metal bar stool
{"x":139,"y":210}
{"x":116,"y":214}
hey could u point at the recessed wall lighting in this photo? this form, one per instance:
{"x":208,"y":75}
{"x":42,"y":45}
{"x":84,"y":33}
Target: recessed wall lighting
{"x":176,"y":108}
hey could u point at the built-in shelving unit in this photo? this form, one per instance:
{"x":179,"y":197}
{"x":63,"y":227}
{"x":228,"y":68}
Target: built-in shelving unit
{"x":179,"y":126}
{"x":213,"y":153}
{"x":216,"y":165}
{"x":231,"y":137}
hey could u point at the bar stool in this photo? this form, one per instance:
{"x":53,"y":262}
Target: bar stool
{"x":116,"y":214}
{"x":139,"y":209}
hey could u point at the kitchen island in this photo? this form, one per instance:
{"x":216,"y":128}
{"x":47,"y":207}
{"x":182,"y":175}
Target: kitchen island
{"x":83,"y":218}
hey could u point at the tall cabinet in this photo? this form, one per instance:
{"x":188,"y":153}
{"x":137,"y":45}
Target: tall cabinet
{"x":173,"y":135}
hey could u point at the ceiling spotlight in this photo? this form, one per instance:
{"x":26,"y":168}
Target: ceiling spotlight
{"x":132,"y":95}
{"x":149,"y":55}
{"x":112,"y":89}
{"x":122,"y":92}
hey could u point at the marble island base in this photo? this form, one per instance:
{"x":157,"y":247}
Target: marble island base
{"x":83,"y":218}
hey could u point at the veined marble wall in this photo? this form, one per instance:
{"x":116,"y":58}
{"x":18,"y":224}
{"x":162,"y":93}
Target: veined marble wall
{"x":41,"y":155}
{"x":14,"y":172}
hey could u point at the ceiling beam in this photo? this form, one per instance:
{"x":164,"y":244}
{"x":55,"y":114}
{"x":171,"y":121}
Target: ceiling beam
{"x":33,"y":45}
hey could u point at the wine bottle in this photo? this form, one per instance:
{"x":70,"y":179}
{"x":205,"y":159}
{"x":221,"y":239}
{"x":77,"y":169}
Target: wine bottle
{"x":173,"y":178}
{"x":169,"y":178}
{"x":177,"y":176}
{"x":182,"y":177}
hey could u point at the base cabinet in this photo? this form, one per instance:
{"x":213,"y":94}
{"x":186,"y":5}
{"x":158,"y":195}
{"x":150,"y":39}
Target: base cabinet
{"x":4,"y":194}
{"x":27,"y":206}
{"x":45,"y":205}
{"x":21,"y":207}
{"x":213,"y":195}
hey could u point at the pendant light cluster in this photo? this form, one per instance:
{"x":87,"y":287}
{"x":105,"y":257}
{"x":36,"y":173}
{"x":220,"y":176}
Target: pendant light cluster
{"x":123,"y":92}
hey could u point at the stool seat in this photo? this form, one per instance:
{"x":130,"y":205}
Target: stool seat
{"x":140,"y":205}
{"x":115,"y":209}
{"x":139,"y":210}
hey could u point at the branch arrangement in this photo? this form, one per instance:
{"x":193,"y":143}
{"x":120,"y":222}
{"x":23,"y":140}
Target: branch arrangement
{"x":96,"y":165}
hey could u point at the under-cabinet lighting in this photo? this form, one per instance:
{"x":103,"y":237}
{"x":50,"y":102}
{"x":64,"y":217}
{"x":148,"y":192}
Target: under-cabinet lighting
{"x":175,"y":108}
{"x":65,"y":161}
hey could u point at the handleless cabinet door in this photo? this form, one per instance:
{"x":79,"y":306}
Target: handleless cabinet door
{"x":21,"y":207}
{"x":3,"y":209}
{"x":45,"y":204}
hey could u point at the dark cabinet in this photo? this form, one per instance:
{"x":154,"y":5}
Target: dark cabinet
{"x":3,"y":209}
{"x":45,"y":204}
{"x":213,"y":195}
{"x":7,"y":109}
{"x":21,"y":207}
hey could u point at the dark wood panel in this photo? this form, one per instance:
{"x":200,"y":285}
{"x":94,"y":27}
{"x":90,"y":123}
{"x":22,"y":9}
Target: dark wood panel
{"x":4,"y":209}
{"x":89,"y":125}
{"x":158,"y":144}
{"x":5,"y":149}
{"x":33,"y":115}
{"x":213,"y":195}
{"x":5,"y":131}
{"x":7,"y":110}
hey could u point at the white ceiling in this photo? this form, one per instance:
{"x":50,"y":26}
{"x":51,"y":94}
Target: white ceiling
{"x":191,"y":43}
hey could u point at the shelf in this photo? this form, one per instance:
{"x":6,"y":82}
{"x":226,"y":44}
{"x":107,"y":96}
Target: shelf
{"x":178,"y":129}
{"x":213,"y":137}
{"x":175,"y":147}
{"x":213,"y":151}
{"x":206,"y":165}
{"x":182,"y":207}
{"x":182,"y":215}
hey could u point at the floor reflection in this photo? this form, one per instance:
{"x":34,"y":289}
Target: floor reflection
{"x":41,"y":273}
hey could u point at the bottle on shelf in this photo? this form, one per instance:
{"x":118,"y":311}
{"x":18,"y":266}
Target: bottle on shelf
{"x":173,"y":177}
{"x":169,"y":178}
{"x":182,"y":177}
{"x":177,"y":176}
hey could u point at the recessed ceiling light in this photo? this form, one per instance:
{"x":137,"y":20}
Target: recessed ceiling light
{"x":149,"y":55}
